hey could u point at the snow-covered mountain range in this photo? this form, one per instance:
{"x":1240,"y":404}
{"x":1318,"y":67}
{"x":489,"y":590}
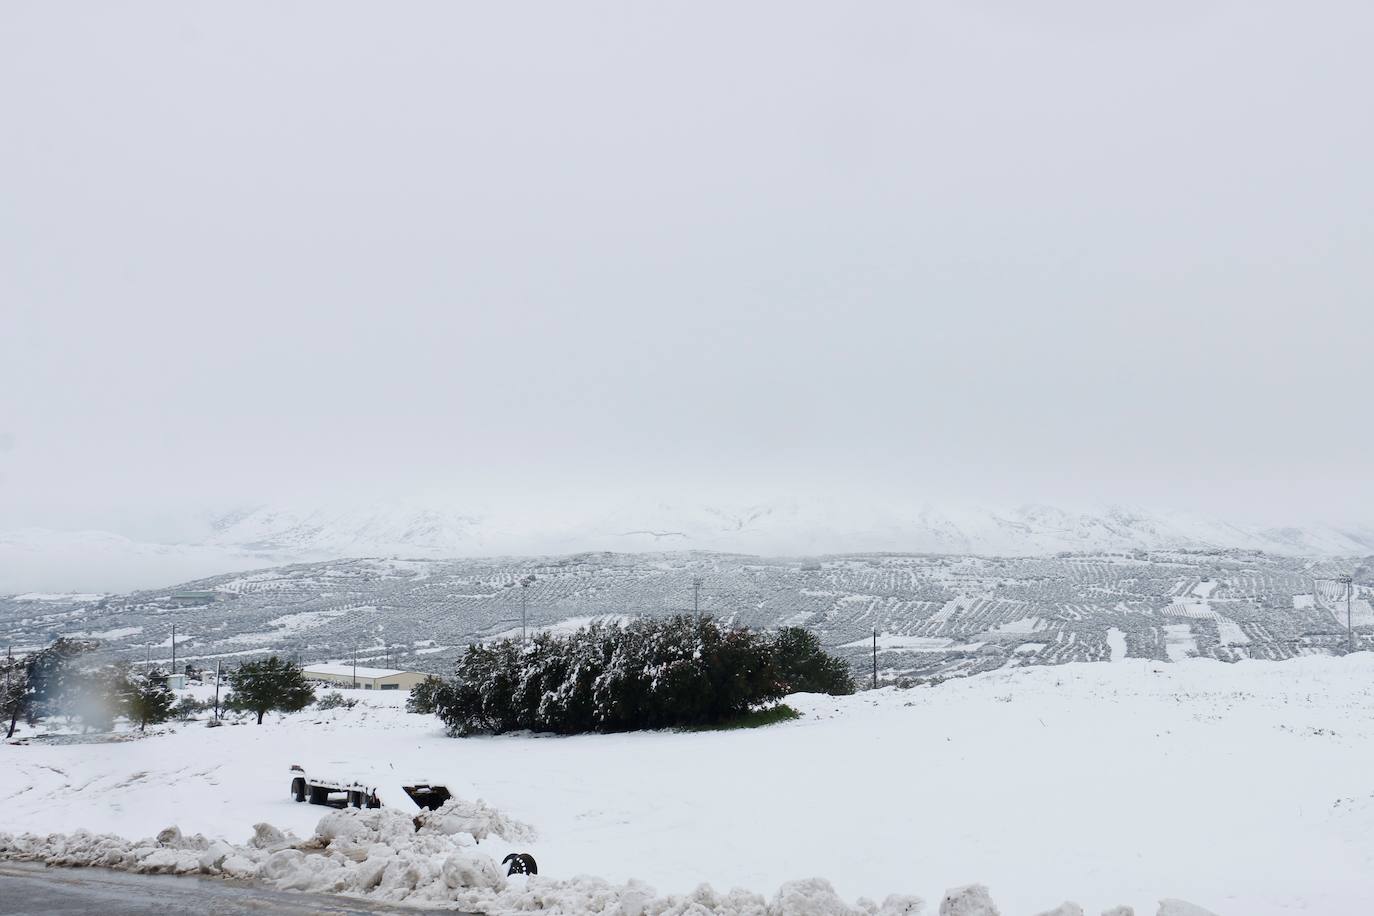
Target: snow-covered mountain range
{"x":792,"y":527}
{"x":41,"y":559}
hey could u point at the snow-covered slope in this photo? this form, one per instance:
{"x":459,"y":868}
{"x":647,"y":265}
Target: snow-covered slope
{"x":371,"y":530}
{"x":43,"y":560}
{"x":790,"y":526}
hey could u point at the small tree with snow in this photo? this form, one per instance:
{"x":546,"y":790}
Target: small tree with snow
{"x":52,"y":682}
{"x":147,"y":701}
{"x":14,"y":690}
{"x":262,"y":686}
{"x":98,"y":696}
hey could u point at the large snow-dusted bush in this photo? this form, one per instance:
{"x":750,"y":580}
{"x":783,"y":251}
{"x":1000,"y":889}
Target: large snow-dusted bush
{"x":650,"y":673}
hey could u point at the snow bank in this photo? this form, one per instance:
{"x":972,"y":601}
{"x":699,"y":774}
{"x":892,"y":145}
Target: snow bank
{"x":1065,"y":909}
{"x":383,"y":854}
{"x":971,"y":900}
{"x":1169,"y":907}
{"x":477,"y":819}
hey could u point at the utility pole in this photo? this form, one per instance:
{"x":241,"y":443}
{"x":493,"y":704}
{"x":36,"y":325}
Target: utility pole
{"x":216,"y":690}
{"x":696,"y":596}
{"x":174,"y":650}
{"x":1349,"y":583}
{"x":13,"y":709}
{"x":875,"y":658}
{"x":355,"y":666}
{"x":525,"y":583}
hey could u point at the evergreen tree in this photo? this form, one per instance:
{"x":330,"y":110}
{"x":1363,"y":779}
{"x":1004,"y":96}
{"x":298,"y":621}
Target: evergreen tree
{"x":272,"y":683}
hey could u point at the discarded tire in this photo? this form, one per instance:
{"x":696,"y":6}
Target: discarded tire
{"x":521,"y":863}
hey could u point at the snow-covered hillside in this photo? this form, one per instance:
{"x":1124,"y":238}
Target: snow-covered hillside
{"x":1243,"y":788}
{"x":47,"y":560}
{"x":935,"y":615}
{"x":791,"y":526}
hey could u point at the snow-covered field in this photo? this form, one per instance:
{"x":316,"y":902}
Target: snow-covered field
{"x":1244,"y":788}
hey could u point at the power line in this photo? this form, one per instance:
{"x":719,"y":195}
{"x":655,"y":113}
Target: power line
{"x":875,"y":658}
{"x":1349,"y":582}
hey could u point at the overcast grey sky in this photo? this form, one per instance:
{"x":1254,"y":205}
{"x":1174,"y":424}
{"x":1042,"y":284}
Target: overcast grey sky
{"x":981,"y":250}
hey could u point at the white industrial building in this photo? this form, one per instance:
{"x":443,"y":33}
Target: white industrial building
{"x":347,"y":675}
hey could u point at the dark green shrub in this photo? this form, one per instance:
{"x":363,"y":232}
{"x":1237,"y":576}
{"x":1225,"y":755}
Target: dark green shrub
{"x":807,"y":668}
{"x":335,"y":700}
{"x":188,"y":707}
{"x":650,"y":673}
{"x":423,"y":696}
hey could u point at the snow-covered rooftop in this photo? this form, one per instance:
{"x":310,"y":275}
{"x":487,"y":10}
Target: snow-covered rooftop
{"x":347,"y":670}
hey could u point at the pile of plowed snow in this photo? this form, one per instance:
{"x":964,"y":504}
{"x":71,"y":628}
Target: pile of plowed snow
{"x":434,"y":859}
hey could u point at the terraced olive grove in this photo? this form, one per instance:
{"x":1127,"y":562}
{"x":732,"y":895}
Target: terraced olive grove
{"x":935,"y":615}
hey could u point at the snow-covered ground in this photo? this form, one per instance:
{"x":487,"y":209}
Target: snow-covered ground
{"x":1245,"y":788}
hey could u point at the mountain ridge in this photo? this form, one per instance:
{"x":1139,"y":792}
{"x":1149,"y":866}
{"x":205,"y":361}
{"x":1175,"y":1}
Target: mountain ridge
{"x":35,"y":559}
{"x":777,"y":528}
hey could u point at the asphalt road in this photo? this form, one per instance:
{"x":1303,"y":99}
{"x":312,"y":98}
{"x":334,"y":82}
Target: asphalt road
{"x":33,"y":890}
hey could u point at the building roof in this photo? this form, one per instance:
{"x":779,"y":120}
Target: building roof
{"x":346,"y":670}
